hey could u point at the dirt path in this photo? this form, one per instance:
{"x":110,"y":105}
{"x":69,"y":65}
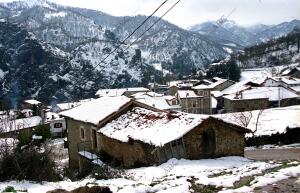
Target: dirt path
{"x":291,"y":185}
{"x":273,"y":154}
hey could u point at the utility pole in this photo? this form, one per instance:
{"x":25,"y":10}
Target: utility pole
{"x":279,"y":97}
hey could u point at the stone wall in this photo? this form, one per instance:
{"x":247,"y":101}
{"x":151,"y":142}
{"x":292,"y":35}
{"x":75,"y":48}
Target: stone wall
{"x":198,"y":105}
{"x":75,"y":140}
{"x":129,"y":154}
{"x":13,"y":134}
{"x":245,"y":105}
{"x":227,"y":141}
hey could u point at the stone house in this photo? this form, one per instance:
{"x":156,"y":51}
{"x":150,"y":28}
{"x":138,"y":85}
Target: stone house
{"x":134,"y":134}
{"x":57,"y":124}
{"x":29,"y":104}
{"x":286,"y":82}
{"x":10,"y":128}
{"x":192,"y":102}
{"x":260,"y":98}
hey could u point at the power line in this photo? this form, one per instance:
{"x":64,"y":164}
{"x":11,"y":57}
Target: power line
{"x":158,"y":20}
{"x":131,"y":34}
{"x":103,"y":60}
{"x":125,"y":20}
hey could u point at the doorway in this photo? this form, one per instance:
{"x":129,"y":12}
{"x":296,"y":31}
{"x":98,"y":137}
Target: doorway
{"x":209,"y":143}
{"x":94,"y":136}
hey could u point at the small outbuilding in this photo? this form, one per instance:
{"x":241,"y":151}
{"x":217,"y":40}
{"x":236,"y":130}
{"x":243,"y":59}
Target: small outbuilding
{"x":134,"y":134}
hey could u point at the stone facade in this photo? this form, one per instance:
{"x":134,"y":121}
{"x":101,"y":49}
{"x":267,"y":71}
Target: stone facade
{"x":212,"y":138}
{"x":256,"y":104}
{"x":173,"y":90}
{"x":245,"y":105}
{"x":13,"y":134}
{"x":77,"y":142}
{"x":197,"y":105}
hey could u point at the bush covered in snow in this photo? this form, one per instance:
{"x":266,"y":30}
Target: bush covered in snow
{"x":104,"y":172}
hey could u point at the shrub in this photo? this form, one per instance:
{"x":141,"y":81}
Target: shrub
{"x":44,"y":131}
{"x":9,"y":189}
{"x":24,"y":139}
{"x":105,"y":172}
{"x":28,"y":164}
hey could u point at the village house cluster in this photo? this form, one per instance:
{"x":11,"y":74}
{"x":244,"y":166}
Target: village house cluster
{"x":190,"y":119}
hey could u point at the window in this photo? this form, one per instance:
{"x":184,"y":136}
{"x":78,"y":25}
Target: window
{"x":82,"y":133}
{"x":200,"y":92}
{"x":58,"y":125}
{"x":194,"y":104}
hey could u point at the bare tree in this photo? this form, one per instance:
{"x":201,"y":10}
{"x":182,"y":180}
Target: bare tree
{"x":245,"y":118}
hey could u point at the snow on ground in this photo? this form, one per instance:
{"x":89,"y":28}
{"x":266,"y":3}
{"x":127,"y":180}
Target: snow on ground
{"x":259,"y":73}
{"x":158,"y":66}
{"x":174,"y":176}
{"x":58,"y":152}
{"x":267,"y":179}
{"x":58,"y":14}
{"x":272,"y":146}
{"x":270,"y":121}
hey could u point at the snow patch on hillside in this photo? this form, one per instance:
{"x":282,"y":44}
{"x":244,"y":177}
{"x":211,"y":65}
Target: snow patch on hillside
{"x":58,"y":14}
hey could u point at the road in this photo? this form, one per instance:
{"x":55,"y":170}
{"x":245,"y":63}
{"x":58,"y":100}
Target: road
{"x":273,"y":154}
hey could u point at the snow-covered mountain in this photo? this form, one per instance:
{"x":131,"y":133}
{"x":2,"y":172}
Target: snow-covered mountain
{"x":67,"y":28}
{"x":281,"y":51}
{"x":238,"y":35}
{"x":83,"y":38}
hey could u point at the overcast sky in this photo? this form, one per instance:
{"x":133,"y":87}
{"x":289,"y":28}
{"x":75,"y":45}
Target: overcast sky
{"x":190,"y":12}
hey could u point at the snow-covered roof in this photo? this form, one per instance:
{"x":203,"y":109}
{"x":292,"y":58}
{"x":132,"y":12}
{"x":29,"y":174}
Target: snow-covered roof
{"x":183,"y":83}
{"x":217,"y":82}
{"x":32,"y":102}
{"x":142,"y":94}
{"x":67,"y":106}
{"x":237,"y":87}
{"x":50,"y":116}
{"x":271,"y":121}
{"x":119,"y":91}
{"x":187,"y":94}
{"x":287,"y":80}
{"x":271,"y":93}
{"x":216,"y":93}
{"x":70,"y":105}
{"x":287,"y":71}
{"x":157,"y":128}
{"x":96,"y":110}
{"x":296,"y":89}
{"x":157,"y":102}
{"x":169,"y":97}
{"x":19,"y":124}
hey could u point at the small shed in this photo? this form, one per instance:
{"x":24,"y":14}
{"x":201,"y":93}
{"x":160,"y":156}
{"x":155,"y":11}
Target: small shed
{"x":144,"y":137}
